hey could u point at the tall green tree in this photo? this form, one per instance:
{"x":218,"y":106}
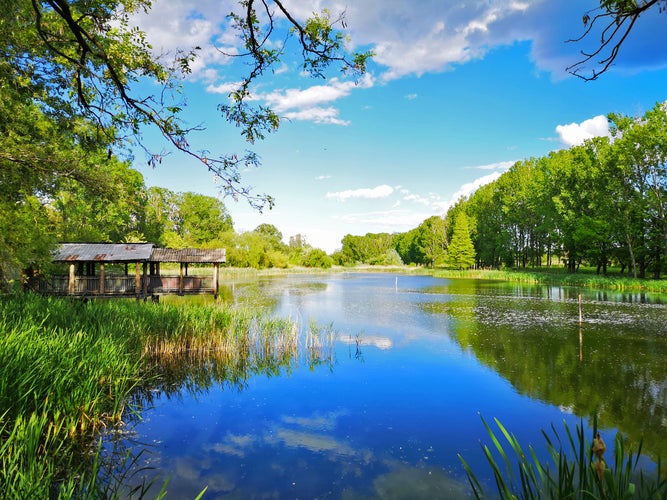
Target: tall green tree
{"x":160,"y":214}
{"x":642,"y":151}
{"x":201,"y":218}
{"x":111,"y":210}
{"x":489,"y":238}
{"x":461,"y":251}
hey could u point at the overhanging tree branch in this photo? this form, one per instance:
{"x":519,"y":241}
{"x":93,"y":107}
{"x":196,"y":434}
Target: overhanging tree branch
{"x":615,"y":19}
{"x":89,"y":51}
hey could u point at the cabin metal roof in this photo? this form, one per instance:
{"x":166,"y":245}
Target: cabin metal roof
{"x":104,"y":252}
{"x":189,"y":255}
{"x":135,"y":252}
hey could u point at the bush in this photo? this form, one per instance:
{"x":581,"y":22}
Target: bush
{"x":317,"y":258}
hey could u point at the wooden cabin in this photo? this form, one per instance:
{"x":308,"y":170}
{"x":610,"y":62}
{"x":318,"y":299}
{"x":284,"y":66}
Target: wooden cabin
{"x":130,"y":270}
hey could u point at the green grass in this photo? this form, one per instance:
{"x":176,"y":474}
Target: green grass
{"x":68,"y":368}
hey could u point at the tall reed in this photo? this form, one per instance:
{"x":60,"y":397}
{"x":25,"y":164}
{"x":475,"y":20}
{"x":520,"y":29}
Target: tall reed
{"x":68,"y":368}
{"x":577,"y":468}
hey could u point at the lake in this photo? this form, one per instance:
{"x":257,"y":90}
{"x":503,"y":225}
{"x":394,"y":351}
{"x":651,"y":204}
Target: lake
{"x":411,"y":365}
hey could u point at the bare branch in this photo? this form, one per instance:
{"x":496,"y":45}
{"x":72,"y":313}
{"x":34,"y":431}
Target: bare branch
{"x":616,"y":19}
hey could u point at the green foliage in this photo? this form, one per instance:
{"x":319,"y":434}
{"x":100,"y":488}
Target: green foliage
{"x":432,"y":239}
{"x":200,"y":218}
{"x":317,"y":258}
{"x":369,"y":249}
{"x":602,"y":203}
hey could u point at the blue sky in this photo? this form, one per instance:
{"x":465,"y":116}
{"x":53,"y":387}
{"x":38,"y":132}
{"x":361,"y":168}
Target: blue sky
{"x":457,"y":92}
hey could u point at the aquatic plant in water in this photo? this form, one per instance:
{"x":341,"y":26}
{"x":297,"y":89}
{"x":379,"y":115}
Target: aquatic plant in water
{"x":578,"y":468}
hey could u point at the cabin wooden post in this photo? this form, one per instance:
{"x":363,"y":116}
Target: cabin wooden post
{"x":137,"y":278}
{"x":145,"y":291}
{"x":71,"y":282}
{"x":101,"y":278}
{"x":216,"y":273}
{"x":180,"y":280}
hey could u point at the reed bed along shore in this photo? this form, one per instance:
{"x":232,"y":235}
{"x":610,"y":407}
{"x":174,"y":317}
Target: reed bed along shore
{"x":68,"y":369}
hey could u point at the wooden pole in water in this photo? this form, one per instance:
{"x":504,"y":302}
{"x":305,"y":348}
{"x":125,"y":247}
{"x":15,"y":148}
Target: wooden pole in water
{"x":581,"y":332}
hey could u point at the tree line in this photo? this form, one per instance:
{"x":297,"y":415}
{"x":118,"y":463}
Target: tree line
{"x":601,"y":203}
{"x":118,"y":207}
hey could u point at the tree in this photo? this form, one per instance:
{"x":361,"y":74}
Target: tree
{"x":641,"y":145}
{"x":407,"y":247}
{"x":432,"y":239}
{"x":160,"y":214}
{"x":113,"y":210}
{"x":270,"y":231}
{"x":316,"y":257}
{"x":371,"y":248}
{"x":80,"y":60}
{"x":610,"y":23}
{"x":201,"y":218}
{"x":461,"y":251}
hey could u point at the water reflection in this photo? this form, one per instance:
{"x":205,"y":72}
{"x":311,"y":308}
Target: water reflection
{"x":135,"y":466}
{"x":613,"y":363}
{"x":388,"y":386}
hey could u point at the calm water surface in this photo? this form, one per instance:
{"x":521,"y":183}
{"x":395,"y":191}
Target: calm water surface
{"x":416,"y":362}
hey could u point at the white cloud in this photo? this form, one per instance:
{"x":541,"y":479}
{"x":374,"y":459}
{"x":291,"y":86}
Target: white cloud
{"x":368,"y":193}
{"x":223,"y":88}
{"x":574,"y":134}
{"x":409,"y":40}
{"x":387,"y":220}
{"x":306,"y":104}
{"x":500,"y":166}
{"x":470,"y":187}
{"x":317,"y":115}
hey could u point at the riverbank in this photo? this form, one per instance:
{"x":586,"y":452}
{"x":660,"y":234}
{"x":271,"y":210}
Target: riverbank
{"x":584,"y":278}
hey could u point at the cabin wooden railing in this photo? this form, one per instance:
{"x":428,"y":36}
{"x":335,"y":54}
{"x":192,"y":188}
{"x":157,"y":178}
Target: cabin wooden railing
{"x":181,"y":284}
{"x":88,"y":285}
{"x":124,"y":285}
